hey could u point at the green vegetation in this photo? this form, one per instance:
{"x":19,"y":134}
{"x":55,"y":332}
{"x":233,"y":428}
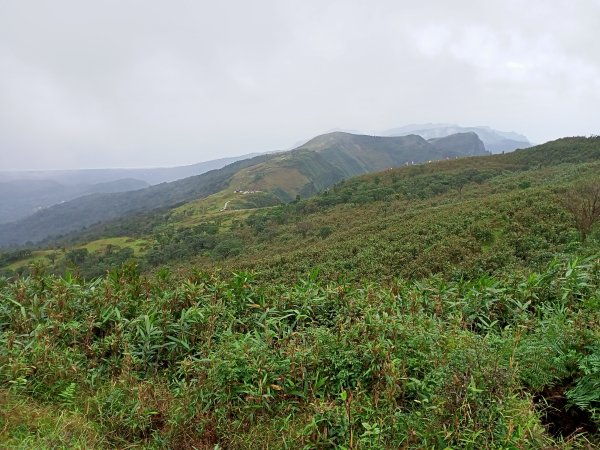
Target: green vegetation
{"x":446,"y":305}
{"x":327,"y":159}
{"x":167,"y":362}
{"x":94,"y":209}
{"x":310,"y":168}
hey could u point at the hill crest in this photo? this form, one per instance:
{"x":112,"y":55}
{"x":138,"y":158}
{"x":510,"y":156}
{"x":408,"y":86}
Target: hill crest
{"x":304,"y":171}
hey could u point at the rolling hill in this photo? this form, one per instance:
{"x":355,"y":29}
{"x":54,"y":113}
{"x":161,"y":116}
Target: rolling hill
{"x":459,"y":214}
{"x":478,"y":214}
{"x":84,"y":211}
{"x":329,"y":158}
{"x":312,"y":167}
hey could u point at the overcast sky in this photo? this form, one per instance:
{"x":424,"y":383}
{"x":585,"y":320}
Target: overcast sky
{"x":159,"y":83}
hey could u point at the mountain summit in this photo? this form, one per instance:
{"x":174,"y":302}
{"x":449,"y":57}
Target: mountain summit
{"x":329,"y":158}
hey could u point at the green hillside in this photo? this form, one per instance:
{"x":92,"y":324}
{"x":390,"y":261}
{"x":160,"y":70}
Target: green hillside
{"x":305,"y":171}
{"x":390,"y":208}
{"x":327,"y":159}
{"x":452,"y":304}
{"x":88,"y":210}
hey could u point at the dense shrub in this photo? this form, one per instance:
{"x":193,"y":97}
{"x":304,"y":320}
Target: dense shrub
{"x":229,"y":360}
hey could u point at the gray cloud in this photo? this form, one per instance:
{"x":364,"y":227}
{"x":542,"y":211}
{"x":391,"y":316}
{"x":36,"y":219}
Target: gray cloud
{"x":146,"y":83}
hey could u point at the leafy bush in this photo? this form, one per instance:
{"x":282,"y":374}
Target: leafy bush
{"x":228,"y":360}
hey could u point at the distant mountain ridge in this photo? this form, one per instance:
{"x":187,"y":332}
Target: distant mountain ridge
{"x":495,"y":141}
{"x":21,"y":198}
{"x":22,"y":193}
{"x":87,"y":210}
{"x":151,"y":176}
{"x":310,"y":168}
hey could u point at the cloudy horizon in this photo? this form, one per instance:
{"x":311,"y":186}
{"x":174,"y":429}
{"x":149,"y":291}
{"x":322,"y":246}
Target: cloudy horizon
{"x":149,"y":84}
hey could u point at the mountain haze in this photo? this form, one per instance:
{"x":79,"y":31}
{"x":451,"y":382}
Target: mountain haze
{"x":151,"y":176}
{"x":20,"y":198}
{"x":22,"y":193}
{"x":84,"y":211}
{"x":312,"y":167}
{"x":495,"y":141}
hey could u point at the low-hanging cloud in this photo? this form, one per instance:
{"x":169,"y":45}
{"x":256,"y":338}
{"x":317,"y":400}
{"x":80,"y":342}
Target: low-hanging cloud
{"x":153,"y":83}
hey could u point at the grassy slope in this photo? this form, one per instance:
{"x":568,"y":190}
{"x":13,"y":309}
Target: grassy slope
{"x":136,"y":245}
{"x":398,"y":211}
{"x":476,"y":214}
{"x":327,"y":159}
{"x":455,"y":328}
{"x":305,"y":171}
